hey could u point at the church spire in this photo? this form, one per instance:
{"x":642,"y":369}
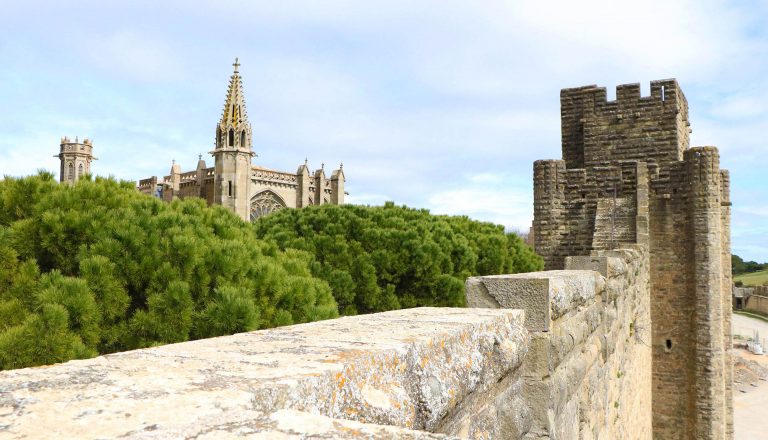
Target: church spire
{"x":232,"y":155}
{"x":234,"y":115}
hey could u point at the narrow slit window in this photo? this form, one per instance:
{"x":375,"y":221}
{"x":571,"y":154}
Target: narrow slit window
{"x":231,"y":142}
{"x":242,"y":139}
{"x":663,"y":93}
{"x":229,"y":189}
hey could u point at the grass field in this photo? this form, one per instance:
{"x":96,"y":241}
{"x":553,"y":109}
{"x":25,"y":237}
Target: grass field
{"x":752,"y":279}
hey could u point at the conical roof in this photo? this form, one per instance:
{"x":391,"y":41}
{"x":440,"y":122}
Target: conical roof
{"x":234,"y":113}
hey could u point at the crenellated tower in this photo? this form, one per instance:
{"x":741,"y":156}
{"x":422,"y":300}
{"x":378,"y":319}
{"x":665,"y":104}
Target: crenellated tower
{"x":233,"y":151}
{"x":629,"y":177}
{"x":75,"y":159}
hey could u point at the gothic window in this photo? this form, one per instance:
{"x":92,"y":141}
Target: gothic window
{"x":231,"y":138}
{"x":242,"y":139}
{"x":264,"y":203}
{"x":70,"y":172}
{"x":80,"y":171}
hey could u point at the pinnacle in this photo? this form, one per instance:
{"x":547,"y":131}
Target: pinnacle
{"x":234,"y":112}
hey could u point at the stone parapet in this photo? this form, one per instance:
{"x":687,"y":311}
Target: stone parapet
{"x":588,"y":370}
{"x":388,"y":375}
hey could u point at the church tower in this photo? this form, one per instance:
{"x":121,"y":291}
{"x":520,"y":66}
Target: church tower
{"x":75,"y":159}
{"x":233,"y":153}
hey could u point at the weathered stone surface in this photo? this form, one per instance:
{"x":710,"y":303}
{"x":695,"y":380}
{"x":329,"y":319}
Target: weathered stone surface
{"x":545,"y":296}
{"x":407,"y":368}
{"x":284,"y":424}
{"x":587,"y":373}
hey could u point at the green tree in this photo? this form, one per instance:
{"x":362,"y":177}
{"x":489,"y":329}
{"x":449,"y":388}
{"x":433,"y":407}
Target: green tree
{"x":99,"y":267}
{"x":389,"y":257}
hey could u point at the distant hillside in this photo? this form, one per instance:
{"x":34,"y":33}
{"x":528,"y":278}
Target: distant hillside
{"x":752,"y":279}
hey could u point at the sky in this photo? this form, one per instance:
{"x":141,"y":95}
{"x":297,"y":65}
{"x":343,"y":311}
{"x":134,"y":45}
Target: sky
{"x":438,"y":104}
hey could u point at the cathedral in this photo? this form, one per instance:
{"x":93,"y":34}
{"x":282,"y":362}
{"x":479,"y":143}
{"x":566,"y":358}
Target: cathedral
{"x":234,"y":182}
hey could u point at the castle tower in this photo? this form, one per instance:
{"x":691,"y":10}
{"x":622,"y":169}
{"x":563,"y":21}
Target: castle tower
{"x":233,"y":151}
{"x":75,"y":159}
{"x":628,"y":178}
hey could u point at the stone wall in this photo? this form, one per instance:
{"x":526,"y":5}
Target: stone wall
{"x":588,"y":369}
{"x":389,"y":375}
{"x":564,"y":356}
{"x":753,"y":299}
{"x":757,"y":303}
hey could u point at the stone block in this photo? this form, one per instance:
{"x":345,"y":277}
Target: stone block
{"x":544,"y":296}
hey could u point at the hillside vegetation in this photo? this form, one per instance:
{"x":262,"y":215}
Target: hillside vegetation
{"x":390,"y":257}
{"x":98,"y":267}
{"x":748,"y":273}
{"x":753,"y":278}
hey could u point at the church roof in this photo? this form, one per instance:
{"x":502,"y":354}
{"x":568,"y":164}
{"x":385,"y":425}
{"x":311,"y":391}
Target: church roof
{"x":260,"y":168}
{"x":234,"y":113}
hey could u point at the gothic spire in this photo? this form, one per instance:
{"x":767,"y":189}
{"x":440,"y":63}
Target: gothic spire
{"x":234,"y":114}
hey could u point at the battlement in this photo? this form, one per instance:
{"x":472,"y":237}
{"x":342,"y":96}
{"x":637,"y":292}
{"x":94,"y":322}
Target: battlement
{"x":664,"y":90}
{"x":649,"y":128}
{"x":76,"y":147}
{"x":148,"y":182}
{"x":66,"y":140}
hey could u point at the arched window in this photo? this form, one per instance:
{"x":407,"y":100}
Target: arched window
{"x":265,"y":203}
{"x":242,"y":139}
{"x":80,"y":171}
{"x":231,"y":138}
{"x":70,"y":172}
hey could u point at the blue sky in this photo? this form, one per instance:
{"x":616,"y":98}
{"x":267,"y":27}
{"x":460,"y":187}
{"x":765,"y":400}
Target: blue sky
{"x":436,"y":104}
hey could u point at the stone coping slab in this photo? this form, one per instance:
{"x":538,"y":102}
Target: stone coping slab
{"x":408,"y":369}
{"x":545,"y":296}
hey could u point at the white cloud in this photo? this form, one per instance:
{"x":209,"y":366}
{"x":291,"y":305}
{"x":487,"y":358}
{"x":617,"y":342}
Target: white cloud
{"x":133,"y":55}
{"x":496,"y":197}
{"x":441,"y":104}
{"x":760,"y":210}
{"x":510,"y":208}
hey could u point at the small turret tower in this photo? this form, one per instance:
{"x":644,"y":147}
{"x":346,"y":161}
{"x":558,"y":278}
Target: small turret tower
{"x":337,"y":186}
{"x":75,"y":159}
{"x":233,"y":151}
